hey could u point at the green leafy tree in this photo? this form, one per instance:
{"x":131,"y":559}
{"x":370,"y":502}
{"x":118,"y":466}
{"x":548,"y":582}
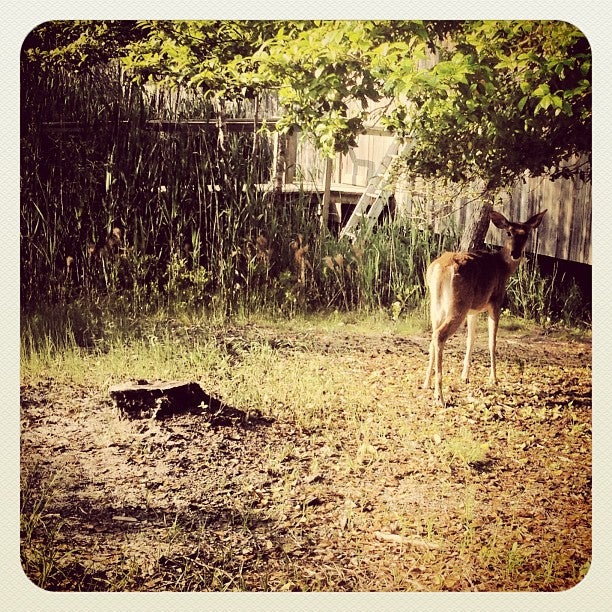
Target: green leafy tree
{"x":480,"y":101}
{"x":326,"y":77}
{"x":504,"y":97}
{"x":214,"y":57}
{"x":77,"y":45}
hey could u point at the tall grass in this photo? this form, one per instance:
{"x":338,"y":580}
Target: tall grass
{"x":547,"y":298}
{"x":382,"y":268}
{"x":118,"y":217}
{"x":139,"y":219}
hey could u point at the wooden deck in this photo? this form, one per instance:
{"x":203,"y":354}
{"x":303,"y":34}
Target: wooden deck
{"x":342,"y":193}
{"x":343,"y":196}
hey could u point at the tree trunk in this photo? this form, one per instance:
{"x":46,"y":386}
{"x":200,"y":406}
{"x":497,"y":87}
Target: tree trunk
{"x":475,"y":231}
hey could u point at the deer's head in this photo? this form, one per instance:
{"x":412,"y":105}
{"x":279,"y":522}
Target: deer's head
{"x":517,"y":233}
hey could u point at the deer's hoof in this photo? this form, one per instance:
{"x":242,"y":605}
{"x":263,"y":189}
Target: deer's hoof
{"x":439,"y":401}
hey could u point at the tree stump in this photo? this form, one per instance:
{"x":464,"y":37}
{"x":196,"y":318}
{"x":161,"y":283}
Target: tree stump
{"x":142,"y":399}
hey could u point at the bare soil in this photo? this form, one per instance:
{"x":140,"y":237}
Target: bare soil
{"x":491,"y":493}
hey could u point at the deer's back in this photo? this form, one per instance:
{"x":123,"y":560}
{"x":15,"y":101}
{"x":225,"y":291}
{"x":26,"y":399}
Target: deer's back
{"x":469,"y":280}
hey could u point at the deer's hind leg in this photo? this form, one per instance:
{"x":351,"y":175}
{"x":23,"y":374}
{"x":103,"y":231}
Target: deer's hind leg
{"x":493,"y":323}
{"x":447,"y":311}
{"x":472,"y":319}
{"x":440,"y":334}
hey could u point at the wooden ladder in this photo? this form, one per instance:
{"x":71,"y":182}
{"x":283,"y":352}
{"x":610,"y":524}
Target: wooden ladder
{"x":373,"y":199}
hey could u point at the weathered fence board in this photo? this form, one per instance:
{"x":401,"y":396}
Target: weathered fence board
{"x":564,"y":234}
{"x":354,"y":168}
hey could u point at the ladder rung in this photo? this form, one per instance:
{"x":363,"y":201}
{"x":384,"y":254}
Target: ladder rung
{"x":373,"y":198}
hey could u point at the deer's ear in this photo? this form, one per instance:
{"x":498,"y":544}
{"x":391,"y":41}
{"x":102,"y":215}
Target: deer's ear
{"x":499,"y":220}
{"x":535,"y":220}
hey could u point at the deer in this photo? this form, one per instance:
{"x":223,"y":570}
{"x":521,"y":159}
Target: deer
{"x":464,"y":284}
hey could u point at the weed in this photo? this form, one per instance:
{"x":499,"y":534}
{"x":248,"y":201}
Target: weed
{"x":515,"y":559}
{"x":40,"y":530}
{"x":546,"y":299}
{"x":179,"y":224}
{"x":464,"y":448}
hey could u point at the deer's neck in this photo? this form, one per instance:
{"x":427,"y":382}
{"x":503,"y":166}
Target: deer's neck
{"x":509,"y":261}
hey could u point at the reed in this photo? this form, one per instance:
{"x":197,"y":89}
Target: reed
{"x":116,"y":216}
{"x":547,"y":298}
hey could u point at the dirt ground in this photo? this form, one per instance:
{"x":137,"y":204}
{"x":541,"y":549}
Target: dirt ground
{"x":491,"y":493}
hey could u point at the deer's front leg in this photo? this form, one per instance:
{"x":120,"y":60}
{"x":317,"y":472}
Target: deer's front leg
{"x":427,"y":381}
{"x":471,"y":333}
{"x":493,"y":322}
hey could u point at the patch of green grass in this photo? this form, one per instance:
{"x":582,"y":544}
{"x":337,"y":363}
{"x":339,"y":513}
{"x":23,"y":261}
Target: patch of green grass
{"x":464,"y":448}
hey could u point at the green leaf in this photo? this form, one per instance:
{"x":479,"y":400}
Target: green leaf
{"x":541,"y":90}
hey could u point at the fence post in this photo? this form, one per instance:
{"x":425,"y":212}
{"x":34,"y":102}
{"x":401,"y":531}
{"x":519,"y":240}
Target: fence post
{"x":329,"y":167}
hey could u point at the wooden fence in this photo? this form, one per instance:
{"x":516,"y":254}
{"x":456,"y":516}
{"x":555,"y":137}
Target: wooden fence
{"x":564,"y":234}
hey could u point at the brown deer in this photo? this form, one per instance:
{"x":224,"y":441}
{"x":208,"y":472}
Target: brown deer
{"x":462,"y":285}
